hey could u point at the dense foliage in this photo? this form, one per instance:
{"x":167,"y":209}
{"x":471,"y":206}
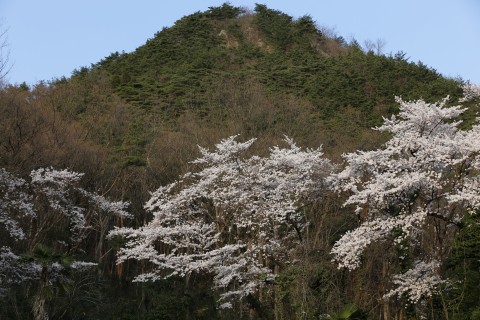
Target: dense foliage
{"x":237,"y":219}
{"x":412,"y":195}
{"x":47,"y":222}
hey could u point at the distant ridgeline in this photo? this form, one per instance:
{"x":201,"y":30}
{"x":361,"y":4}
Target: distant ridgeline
{"x":183,"y":66}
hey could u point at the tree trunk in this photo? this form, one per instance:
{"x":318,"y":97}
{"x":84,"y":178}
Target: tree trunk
{"x":39,"y":309}
{"x":276,"y":299}
{"x":386,"y":311}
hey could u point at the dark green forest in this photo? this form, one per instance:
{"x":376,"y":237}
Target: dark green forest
{"x":133,"y":122}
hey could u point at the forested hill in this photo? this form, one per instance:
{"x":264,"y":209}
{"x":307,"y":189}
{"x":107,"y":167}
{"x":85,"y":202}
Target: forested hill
{"x":180,"y":67}
{"x":133,"y":122}
{"x":258,"y":73}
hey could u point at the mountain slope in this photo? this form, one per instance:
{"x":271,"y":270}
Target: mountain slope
{"x":179,"y":66}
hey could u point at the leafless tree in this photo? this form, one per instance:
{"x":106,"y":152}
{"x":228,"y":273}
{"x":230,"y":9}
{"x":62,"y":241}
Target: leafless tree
{"x":5,"y":65}
{"x":328,"y":31}
{"x":376,"y":46}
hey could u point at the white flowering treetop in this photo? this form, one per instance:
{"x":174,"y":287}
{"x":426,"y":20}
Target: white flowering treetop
{"x":424,"y":178}
{"x":51,"y":203}
{"x":470,"y":92}
{"x":418,"y":282}
{"x":16,"y":203}
{"x":235,"y":219}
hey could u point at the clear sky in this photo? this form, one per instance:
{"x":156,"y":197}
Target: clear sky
{"x":51,"y":38}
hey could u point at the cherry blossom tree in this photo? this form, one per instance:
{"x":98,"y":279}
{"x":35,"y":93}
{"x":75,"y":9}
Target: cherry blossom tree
{"x":412,"y":193}
{"x":470,"y":92}
{"x":44,"y":222}
{"x":236,"y":218}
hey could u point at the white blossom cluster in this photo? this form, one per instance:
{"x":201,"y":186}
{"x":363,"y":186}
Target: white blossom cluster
{"x":417,"y":283}
{"x":13,"y":270}
{"x":427,"y":171}
{"x":104,"y":205}
{"x":348,"y":249}
{"x":235,"y":218}
{"x":470,"y":92}
{"x":26,"y":207}
{"x":59,"y":186}
{"x":16,"y":203}
{"x":82,"y":265}
{"x":62,"y":178}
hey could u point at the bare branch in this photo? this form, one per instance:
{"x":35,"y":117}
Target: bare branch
{"x":375,"y":47}
{"x":5,"y":65}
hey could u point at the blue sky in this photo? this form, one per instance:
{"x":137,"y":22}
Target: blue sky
{"x":51,"y":38}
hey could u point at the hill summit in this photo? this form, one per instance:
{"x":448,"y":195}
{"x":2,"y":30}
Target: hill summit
{"x":178,"y":68}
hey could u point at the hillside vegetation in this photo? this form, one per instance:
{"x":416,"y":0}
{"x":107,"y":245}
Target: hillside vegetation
{"x":133,"y":122}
